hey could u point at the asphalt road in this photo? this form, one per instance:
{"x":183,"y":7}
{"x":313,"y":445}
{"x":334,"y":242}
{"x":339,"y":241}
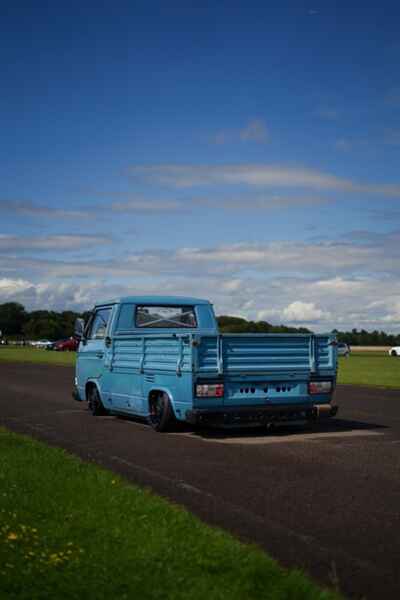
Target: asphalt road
{"x":326,"y":500}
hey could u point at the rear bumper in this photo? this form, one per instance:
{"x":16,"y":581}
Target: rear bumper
{"x":260,"y":414}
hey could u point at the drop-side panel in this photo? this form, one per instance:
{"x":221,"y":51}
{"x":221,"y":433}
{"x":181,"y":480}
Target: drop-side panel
{"x":207,"y":354}
{"x":127,"y":353}
{"x":168,"y":354}
{"x":152,"y":353}
{"x":326,"y":354}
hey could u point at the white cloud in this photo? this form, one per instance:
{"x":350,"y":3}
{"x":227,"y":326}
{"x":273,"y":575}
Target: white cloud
{"x":51,"y":242}
{"x":339,"y":285}
{"x":269,"y":313}
{"x":264,"y":203}
{"x":392,"y":309}
{"x":130,"y":205}
{"x":304,"y":312}
{"x":333,"y":264}
{"x":29,"y":209}
{"x":11,"y":287}
{"x":257,"y":175}
{"x":232,"y":285}
{"x":290,"y":300}
{"x":290,"y":256}
{"x":147,"y":206}
{"x":342,"y":284}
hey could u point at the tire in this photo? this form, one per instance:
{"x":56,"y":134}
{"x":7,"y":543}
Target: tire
{"x":96,"y":406}
{"x":393,"y":353}
{"x":161,"y":414}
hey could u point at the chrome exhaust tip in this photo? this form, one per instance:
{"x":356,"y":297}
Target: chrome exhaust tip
{"x":321,"y":411}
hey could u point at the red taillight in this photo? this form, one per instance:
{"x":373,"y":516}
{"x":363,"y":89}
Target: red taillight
{"x":320,"y":387}
{"x":210,"y":390}
{"x":219,"y":390}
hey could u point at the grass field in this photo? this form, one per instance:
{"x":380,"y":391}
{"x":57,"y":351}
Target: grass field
{"x":27,"y":354}
{"x":72,"y":530}
{"x":363,"y":368}
{"x":370,"y":368}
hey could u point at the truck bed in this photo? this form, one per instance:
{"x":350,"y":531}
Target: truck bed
{"x":228,"y":354}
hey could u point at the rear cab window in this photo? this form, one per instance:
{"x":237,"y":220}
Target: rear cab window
{"x":165,"y":317}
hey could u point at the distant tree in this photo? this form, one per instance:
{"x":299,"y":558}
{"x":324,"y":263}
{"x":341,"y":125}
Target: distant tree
{"x":12,"y":318}
{"x":50,"y":324}
{"x":367,"y":338}
{"x":42,"y":326}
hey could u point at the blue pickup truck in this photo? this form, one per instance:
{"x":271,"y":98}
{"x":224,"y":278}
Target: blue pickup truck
{"x":163,"y":358}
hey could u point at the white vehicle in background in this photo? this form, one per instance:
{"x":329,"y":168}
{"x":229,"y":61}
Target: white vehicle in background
{"x":41,"y":343}
{"x":343,"y":349}
{"x":395,"y":351}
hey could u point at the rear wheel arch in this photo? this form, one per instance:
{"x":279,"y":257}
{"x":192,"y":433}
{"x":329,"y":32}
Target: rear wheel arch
{"x":95,"y":402}
{"x":156,"y":392}
{"x":161,"y":414}
{"x":88,"y":387}
{"x":393,"y":353}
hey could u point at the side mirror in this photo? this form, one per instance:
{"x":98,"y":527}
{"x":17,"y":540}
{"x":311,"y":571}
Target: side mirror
{"x":79,"y":329}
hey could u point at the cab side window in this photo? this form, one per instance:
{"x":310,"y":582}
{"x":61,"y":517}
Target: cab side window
{"x":99,"y":324}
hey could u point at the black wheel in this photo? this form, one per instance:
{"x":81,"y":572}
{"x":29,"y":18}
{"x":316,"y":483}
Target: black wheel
{"x":161,"y":415}
{"x":393,"y":353}
{"x":95,"y":404}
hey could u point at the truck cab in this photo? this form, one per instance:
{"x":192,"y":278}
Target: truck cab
{"x":163,"y":358}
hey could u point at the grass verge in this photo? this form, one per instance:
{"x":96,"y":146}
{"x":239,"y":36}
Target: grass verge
{"x":370,"y":368}
{"x":69,"y":529}
{"x":36,"y":355}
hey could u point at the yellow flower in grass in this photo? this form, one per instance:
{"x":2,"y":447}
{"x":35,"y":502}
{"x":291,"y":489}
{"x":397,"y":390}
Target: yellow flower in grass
{"x":12,"y":536}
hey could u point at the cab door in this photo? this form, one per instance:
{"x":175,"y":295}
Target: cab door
{"x":94,"y":348}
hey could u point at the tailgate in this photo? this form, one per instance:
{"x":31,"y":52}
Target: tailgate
{"x":267,"y":354}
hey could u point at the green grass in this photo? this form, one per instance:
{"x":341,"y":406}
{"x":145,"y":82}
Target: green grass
{"x":69,"y":529}
{"x":34,"y":355}
{"x":370,"y":368}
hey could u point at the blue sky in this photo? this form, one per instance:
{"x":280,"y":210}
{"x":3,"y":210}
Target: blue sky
{"x":233,"y":150}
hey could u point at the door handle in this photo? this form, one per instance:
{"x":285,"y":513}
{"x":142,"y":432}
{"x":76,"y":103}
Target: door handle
{"x":99,"y":354}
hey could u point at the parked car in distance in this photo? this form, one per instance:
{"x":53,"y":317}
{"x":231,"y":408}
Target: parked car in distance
{"x":343,"y":349}
{"x":395,"y":351}
{"x":69,"y":345}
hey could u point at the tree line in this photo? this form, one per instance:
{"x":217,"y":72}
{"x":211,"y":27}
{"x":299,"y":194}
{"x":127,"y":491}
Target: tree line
{"x":354,"y":337}
{"x":18,"y":323}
